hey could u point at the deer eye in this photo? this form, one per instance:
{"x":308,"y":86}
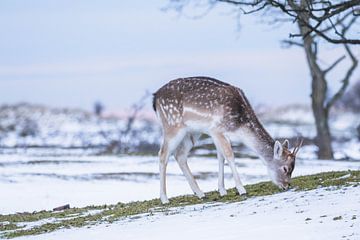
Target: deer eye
{"x":285,"y":169}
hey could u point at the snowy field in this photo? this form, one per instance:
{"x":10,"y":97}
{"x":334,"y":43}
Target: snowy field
{"x":48,"y":159}
{"x":30,"y":183}
{"x":289,"y":215}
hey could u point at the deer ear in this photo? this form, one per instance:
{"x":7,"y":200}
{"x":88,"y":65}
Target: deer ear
{"x":278,"y":150}
{"x":286,"y":144}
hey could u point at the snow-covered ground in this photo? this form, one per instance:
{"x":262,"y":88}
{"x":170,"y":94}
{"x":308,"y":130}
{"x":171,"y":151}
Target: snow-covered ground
{"x":31,"y":183}
{"x":47,"y":159}
{"x":316,"y":214}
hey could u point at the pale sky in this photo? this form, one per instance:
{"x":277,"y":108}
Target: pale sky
{"x":71,"y":53}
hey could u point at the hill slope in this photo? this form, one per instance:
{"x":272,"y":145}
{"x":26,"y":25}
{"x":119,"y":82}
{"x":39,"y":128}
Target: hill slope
{"x":326,"y":201}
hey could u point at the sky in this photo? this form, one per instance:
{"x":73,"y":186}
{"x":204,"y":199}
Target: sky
{"x":72,"y":53}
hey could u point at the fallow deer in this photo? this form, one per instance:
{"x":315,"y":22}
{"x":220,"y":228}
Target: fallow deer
{"x":189,"y":107}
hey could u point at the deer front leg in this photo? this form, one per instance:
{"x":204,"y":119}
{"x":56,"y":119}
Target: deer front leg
{"x":221,"y":184}
{"x":225,"y":147}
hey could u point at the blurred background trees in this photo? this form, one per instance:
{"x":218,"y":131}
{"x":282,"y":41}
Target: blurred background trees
{"x":351,"y":99}
{"x":98,"y":108}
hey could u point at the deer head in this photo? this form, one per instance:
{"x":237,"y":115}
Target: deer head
{"x":283,"y":163}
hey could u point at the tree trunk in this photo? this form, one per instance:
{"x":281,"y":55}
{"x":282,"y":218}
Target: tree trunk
{"x":318,"y":98}
{"x":318,"y":94}
{"x":321,"y":115}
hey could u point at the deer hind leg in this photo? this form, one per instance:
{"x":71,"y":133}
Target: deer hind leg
{"x":171,"y":141}
{"x":181,"y":157}
{"x":224,"y":146}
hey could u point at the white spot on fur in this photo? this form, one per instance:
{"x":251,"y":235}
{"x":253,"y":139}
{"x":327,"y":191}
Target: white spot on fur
{"x":197,"y":112}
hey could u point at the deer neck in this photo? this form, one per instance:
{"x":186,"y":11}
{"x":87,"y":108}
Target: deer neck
{"x":254,"y":135}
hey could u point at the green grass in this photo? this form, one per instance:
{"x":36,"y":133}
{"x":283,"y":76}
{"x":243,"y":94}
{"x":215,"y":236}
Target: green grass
{"x":6,"y":227}
{"x":13,"y":225}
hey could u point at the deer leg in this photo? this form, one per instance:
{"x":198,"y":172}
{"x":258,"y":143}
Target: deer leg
{"x":181,"y":157}
{"x":221,"y":184}
{"x":171,"y":141}
{"x":225,"y":147}
{"x":164,"y":157}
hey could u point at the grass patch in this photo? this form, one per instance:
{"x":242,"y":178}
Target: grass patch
{"x":79,"y":217}
{"x":7,"y":227}
{"x":36,"y":216}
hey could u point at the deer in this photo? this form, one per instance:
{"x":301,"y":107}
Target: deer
{"x":192,"y":106}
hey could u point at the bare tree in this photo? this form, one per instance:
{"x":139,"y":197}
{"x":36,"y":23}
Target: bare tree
{"x":135,"y":109}
{"x":321,"y":101}
{"x":317,"y":20}
{"x":123,"y":143}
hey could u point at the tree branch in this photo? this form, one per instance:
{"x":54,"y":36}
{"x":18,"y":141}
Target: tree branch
{"x":300,"y":10}
{"x":332,"y":66}
{"x":338,"y":21}
{"x":319,"y":12}
{"x":345,"y":80}
{"x":343,"y":40}
{"x":289,"y":43}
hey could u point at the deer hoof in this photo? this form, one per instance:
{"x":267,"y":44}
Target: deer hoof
{"x":241,"y":190}
{"x":222,"y":192}
{"x":200,"y":195}
{"x":164,"y":200}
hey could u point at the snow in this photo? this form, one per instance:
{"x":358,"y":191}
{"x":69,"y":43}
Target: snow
{"x":316,"y":214}
{"x":30,"y":183}
{"x":348,"y":150}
